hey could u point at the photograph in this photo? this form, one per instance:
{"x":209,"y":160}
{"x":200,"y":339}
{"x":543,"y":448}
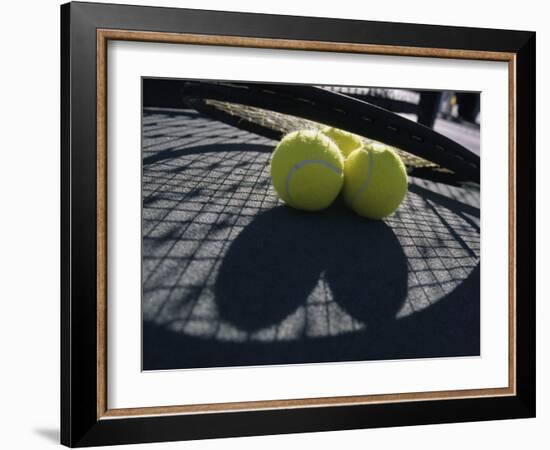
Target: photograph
{"x":273,"y":233}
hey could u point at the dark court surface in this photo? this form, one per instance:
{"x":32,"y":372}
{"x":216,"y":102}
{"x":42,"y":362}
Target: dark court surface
{"x":232,"y":277}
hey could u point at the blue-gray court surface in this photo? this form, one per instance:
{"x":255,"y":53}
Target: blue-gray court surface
{"x":233,"y":277}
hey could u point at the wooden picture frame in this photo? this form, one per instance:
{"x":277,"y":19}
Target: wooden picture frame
{"x":86,"y":418}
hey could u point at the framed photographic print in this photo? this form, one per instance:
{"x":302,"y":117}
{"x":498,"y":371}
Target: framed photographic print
{"x":277,"y":224}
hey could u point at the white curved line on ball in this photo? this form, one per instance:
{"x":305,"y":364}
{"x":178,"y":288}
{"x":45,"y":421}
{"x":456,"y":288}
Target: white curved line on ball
{"x":365,"y":184}
{"x":304,"y":163}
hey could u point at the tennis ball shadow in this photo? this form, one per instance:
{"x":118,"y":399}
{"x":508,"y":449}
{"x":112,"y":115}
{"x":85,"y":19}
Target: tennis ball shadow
{"x":276,"y":261}
{"x":366,"y":269}
{"x":269,"y":269}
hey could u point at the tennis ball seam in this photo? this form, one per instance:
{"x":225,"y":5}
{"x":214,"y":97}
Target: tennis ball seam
{"x":366,"y":183}
{"x":303,"y":163}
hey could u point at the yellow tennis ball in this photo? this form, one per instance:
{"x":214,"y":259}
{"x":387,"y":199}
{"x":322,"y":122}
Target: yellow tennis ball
{"x":375,"y":181}
{"x":307,"y":170}
{"x":346,"y":142}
